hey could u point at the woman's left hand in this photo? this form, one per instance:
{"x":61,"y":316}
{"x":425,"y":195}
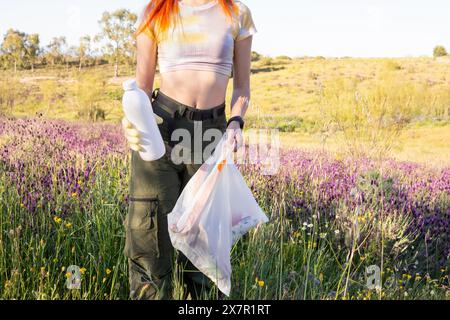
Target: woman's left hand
{"x":234,"y":134}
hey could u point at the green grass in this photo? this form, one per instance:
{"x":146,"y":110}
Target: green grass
{"x":312,"y":102}
{"x":289,"y":258}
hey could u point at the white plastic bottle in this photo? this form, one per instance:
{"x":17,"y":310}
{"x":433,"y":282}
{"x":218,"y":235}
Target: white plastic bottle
{"x":138,"y":110}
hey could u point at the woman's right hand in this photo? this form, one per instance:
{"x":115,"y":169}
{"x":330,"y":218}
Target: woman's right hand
{"x":132,"y":134}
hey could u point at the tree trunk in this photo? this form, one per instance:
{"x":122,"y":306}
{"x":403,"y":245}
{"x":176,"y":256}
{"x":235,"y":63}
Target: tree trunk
{"x":116,"y":69}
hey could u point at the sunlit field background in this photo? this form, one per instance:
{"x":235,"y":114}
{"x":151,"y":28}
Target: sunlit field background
{"x":400,"y":106}
{"x":364,"y":179}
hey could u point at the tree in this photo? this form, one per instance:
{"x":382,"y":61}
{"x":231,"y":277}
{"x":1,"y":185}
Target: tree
{"x":3,"y":61}
{"x":84,"y":50}
{"x":56,"y":50}
{"x":256,"y":56}
{"x":32,"y":49}
{"x":71,"y":56}
{"x":13,"y":46}
{"x":439,"y":51}
{"x":117,"y":29}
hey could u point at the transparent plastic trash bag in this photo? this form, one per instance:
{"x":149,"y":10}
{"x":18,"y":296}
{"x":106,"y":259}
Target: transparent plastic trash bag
{"x":214,"y":210}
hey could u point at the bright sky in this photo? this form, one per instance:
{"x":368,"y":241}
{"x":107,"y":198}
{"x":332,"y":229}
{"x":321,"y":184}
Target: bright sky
{"x":360,"y":28}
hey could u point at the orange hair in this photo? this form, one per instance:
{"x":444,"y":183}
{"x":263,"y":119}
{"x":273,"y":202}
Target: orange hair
{"x":161,"y":14}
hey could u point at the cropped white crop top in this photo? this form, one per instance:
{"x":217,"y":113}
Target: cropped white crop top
{"x":203,"y":38}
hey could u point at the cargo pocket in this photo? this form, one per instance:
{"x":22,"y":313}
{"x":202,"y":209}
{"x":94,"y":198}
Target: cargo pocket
{"x":142,"y":228}
{"x":143,"y":213}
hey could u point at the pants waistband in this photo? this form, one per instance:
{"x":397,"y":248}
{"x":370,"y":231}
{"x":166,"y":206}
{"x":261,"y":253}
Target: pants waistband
{"x":176,"y":108}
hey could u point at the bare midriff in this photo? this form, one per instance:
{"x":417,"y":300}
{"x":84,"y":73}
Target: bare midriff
{"x":198,"y":89}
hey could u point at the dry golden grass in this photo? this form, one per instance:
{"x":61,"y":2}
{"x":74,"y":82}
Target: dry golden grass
{"x":428,"y":145}
{"x":292,"y":86}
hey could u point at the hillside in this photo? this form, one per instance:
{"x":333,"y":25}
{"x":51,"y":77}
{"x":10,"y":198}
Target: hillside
{"x":301,"y":97}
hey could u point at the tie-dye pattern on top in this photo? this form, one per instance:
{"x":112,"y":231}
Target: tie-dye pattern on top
{"x":203,"y":38}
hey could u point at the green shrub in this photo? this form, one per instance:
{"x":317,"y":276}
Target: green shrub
{"x":392,"y":65}
{"x":256,"y":56}
{"x":266,"y":62}
{"x":371,"y":119}
{"x":282,"y":123}
{"x":94,"y":114}
{"x":439,"y":51}
{"x":9,"y":95}
{"x":90,"y":93}
{"x":52,"y":92}
{"x":283,"y":57}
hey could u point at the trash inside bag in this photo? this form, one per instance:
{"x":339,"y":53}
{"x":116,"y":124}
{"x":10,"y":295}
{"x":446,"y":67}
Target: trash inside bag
{"x":214,"y":210}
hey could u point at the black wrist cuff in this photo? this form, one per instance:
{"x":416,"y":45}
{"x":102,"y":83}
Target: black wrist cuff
{"x":238,"y":119}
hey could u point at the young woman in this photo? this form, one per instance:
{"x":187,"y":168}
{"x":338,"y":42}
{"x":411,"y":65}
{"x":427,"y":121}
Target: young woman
{"x":199,"y":45}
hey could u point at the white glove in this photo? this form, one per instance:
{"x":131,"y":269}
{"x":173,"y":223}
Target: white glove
{"x":132,"y":134}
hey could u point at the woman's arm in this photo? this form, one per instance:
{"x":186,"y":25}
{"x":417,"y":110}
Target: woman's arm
{"x":145,"y":76}
{"x":241,"y":77}
{"x":146,"y":62}
{"x":241,"y":89}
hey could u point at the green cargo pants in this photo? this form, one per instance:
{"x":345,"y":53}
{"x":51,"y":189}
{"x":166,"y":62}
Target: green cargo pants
{"x":154,"y":189}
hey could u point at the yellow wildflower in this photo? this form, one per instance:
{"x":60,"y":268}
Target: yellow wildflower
{"x":74,"y":195}
{"x":259,"y":282}
{"x":108,"y":271}
{"x":68,"y":225}
{"x":83,"y":270}
{"x":57,"y":219}
{"x":68,"y":275}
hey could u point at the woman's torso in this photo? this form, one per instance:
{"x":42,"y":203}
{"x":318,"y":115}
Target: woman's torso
{"x":198,"y":89}
{"x":196,"y":58}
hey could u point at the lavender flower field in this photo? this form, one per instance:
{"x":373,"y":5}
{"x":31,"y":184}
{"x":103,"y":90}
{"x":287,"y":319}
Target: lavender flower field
{"x":63,"y":199}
